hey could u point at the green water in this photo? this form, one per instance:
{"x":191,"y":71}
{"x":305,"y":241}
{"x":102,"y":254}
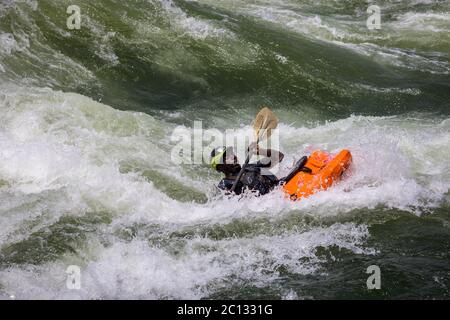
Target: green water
{"x":87,"y":177}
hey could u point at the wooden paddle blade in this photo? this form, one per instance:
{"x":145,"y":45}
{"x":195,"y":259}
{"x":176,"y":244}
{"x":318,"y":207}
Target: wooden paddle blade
{"x":265,"y":122}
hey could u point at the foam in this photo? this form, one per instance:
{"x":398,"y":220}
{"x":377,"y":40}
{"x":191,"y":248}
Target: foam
{"x":389,"y":167}
{"x":202,"y":266}
{"x":104,"y":48}
{"x":428,"y":21}
{"x":307,"y":25}
{"x":62,"y":154}
{"x":55,"y":67}
{"x":350,"y":33}
{"x":65,"y":142}
{"x":196,"y":28}
{"x":7,"y":43}
{"x":398,"y":57}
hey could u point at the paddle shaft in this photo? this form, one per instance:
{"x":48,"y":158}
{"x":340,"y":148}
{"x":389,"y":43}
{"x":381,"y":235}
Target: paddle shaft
{"x":239,"y":176}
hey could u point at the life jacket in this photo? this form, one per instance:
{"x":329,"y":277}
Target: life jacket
{"x":253,"y":180}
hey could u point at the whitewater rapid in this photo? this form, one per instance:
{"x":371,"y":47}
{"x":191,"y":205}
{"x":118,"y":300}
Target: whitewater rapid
{"x":65,"y":155}
{"x":87,"y":178}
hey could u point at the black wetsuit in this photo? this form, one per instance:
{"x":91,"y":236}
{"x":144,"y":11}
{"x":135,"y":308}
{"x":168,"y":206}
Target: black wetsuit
{"x":252,"y":179}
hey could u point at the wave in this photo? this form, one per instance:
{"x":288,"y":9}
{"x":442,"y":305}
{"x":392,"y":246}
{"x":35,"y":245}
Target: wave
{"x":86,"y":175}
{"x":202,"y":266}
{"x":94,"y":158}
{"x":172,"y":54}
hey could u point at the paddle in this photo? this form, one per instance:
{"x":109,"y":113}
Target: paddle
{"x":263,"y":125}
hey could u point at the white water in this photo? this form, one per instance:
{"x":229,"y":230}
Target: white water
{"x":136,"y":270}
{"x":61,"y":154}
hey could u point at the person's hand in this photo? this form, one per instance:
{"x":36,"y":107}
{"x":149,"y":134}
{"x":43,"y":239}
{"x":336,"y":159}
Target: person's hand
{"x":253,"y":148}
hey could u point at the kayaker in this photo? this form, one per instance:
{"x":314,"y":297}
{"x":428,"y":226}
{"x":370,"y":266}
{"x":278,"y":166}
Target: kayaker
{"x":256,"y":176}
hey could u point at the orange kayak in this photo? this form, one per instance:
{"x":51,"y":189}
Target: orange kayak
{"x":320,"y":172}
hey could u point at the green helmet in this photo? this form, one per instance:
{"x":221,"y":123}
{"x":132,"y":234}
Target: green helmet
{"x":218,"y":155}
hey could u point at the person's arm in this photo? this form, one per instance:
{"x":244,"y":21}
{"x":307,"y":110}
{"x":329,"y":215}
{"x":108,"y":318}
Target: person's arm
{"x":273,"y":156}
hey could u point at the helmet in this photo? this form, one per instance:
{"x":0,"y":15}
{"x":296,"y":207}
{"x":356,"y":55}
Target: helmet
{"x":218,"y":156}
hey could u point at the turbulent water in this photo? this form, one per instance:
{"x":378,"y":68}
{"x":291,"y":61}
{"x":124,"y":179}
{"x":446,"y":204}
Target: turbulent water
{"x":86,"y":176}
